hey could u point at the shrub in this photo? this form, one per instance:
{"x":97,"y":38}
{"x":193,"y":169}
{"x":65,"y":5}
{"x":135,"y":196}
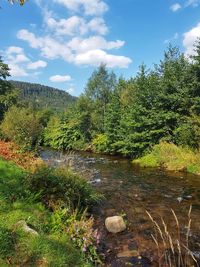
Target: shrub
{"x":64,"y":135}
{"x":188,"y":133}
{"x":22,"y":126}
{"x":100,"y":143}
{"x":171,"y":157}
{"x":53,"y":185}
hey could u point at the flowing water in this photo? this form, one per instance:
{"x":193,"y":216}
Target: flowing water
{"x":130,"y":191}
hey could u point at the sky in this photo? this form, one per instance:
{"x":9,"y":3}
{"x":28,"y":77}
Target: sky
{"x":61,"y":42}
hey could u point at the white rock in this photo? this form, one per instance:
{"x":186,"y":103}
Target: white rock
{"x":23,"y":225}
{"x":115,"y":224}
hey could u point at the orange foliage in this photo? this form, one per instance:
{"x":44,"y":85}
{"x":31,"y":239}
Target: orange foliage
{"x":10,"y":151}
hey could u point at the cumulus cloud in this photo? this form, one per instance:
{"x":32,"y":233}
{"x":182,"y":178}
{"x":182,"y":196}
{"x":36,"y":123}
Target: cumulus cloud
{"x":89,"y":7}
{"x":175,"y":7}
{"x":60,"y":78}
{"x":79,"y":51}
{"x":19,"y":63}
{"x":76,"y":39}
{"x":96,"y":57}
{"x":49,"y":46}
{"x":95,"y":42}
{"x":189,"y":39}
{"x":76,"y":25}
{"x":36,"y":65}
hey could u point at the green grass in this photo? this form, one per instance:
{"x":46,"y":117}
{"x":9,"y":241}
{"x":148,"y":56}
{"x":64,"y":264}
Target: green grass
{"x":172,"y":158}
{"x":17,"y":248}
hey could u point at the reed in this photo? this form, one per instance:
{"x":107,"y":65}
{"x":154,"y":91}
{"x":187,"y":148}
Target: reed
{"x":172,"y":246}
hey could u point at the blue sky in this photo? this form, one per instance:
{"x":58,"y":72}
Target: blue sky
{"x":60,"y":42}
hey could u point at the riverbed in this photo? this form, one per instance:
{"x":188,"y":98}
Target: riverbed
{"x":130,"y":191}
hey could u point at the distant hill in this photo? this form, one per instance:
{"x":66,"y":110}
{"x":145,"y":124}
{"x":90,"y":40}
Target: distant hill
{"x":42,"y":96}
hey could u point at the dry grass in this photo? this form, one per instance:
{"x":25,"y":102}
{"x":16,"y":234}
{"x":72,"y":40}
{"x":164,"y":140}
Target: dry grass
{"x":172,"y":247}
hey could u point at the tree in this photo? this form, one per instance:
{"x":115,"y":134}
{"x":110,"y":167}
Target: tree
{"x":7,"y":95}
{"x":99,"y":89}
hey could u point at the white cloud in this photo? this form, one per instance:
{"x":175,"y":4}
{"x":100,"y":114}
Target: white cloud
{"x":37,"y":64}
{"x":96,"y":57}
{"x":49,"y":47}
{"x":193,"y":3}
{"x":19,"y":63}
{"x":79,"y":51}
{"x":76,"y":26}
{"x":25,"y":35}
{"x":189,"y":3}
{"x":90,"y":7}
{"x":60,"y":78}
{"x":94,"y":42}
{"x":70,"y":90}
{"x":14,"y":50}
{"x":189,"y":39}
{"x":175,"y":7}
{"x":16,"y":70}
{"x":79,"y":39}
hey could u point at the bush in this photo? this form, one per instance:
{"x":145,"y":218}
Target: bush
{"x":63,"y":135}
{"x":188,"y":133}
{"x":23,"y":127}
{"x":172,"y":158}
{"x":100,"y":143}
{"x":58,"y":185}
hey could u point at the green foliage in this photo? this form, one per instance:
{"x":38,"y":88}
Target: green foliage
{"x":7,"y":242}
{"x":37,"y":96}
{"x":23,"y":127}
{"x":171,"y":157}
{"x":7,"y":95}
{"x":128,"y":117}
{"x":60,"y":228}
{"x":72,"y":131}
{"x":100,"y":143}
{"x":58,"y":185}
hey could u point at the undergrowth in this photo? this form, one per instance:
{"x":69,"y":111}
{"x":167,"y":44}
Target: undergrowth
{"x":45,"y":200}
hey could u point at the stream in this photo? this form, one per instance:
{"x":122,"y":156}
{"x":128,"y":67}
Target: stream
{"x":129,"y":191}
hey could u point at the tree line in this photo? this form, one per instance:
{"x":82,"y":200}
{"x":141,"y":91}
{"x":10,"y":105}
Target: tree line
{"x":128,"y":117}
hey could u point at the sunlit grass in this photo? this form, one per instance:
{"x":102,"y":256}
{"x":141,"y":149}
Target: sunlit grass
{"x":172,"y":158}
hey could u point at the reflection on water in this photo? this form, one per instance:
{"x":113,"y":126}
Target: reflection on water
{"x":130,"y":191}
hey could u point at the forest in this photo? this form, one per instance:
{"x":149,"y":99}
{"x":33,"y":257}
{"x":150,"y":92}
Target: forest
{"x":38,"y":96}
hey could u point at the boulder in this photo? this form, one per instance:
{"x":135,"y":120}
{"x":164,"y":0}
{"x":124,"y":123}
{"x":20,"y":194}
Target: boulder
{"x":23,"y":226}
{"x":115,"y":224}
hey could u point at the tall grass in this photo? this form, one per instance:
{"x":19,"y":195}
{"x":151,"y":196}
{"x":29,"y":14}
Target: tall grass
{"x":172,"y":247}
{"x":171,"y":157}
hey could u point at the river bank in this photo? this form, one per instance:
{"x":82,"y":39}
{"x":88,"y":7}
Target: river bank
{"x":129,"y":191}
{"x":43,"y":219}
{"x":172,"y":158}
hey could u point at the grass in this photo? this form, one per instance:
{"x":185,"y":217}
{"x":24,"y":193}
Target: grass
{"x":173,"y":247}
{"x":55,"y":226}
{"x":172,"y":158}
